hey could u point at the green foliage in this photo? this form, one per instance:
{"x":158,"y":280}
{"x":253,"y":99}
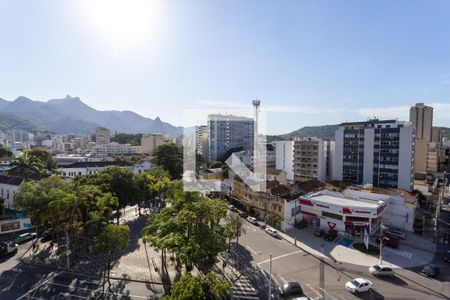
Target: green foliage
{"x":5,"y":152}
{"x":190,"y":287}
{"x":127,"y":138}
{"x":12,"y":121}
{"x":170,"y":157}
{"x":190,"y":228}
{"x":113,"y":238}
{"x":45,"y":157}
{"x":234,"y":223}
{"x":26,"y":166}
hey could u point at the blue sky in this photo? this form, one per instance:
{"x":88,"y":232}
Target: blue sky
{"x":310,"y":62}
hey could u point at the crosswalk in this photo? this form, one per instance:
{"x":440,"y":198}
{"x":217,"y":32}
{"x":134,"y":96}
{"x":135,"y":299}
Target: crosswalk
{"x":243,"y":289}
{"x":398,"y":252}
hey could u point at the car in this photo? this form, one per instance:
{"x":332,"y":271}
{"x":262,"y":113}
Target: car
{"x":243,"y":214}
{"x":8,"y":247}
{"x":232,"y":208}
{"x":292,"y":288}
{"x":395,"y":232}
{"x":359,"y":285}
{"x":330,"y":235}
{"x":447,"y":256}
{"x":430,"y":270}
{"x":252,"y":220}
{"x":381,"y":270}
{"x":272,"y":232}
{"x":302,"y":298}
{"x":25,"y":237}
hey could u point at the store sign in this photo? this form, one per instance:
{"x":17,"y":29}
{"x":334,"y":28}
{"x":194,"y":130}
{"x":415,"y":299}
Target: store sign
{"x":331,"y":225}
{"x":362,"y":212}
{"x":306,"y":202}
{"x":347,"y":211}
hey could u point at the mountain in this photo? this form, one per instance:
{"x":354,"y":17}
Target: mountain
{"x":71,"y":115}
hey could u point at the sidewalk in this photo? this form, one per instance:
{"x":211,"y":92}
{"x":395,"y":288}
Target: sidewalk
{"x":341,"y":251}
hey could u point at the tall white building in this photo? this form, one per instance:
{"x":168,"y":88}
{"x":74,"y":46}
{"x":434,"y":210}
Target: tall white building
{"x":151,"y":141}
{"x":378,"y":152}
{"x":201,"y":136}
{"x":312,"y":159}
{"x":284,"y":157}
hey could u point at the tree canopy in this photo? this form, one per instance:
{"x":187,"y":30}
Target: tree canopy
{"x":170,"y":157}
{"x":5,"y":152}
{"x":26,"y":166}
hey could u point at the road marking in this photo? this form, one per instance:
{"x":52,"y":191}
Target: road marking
{"x":278,"y":257}
{"x":254,"y":252}
{"x":27,"y":294}
{"x":282,"y":278}
{"x":284,"y":242}
{"x":311,"y":288}
{"x":329,"y":295}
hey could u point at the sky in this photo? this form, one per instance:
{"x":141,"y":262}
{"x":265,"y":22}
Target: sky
{"x":309,"y":62}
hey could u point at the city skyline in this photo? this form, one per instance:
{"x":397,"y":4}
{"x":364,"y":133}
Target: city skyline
{"x":310,"y":63}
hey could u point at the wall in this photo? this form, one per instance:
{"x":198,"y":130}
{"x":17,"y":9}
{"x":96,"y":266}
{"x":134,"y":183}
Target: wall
{"x":406,"y":158}
{"x":339,"y":155}
{"x":7,"y":191}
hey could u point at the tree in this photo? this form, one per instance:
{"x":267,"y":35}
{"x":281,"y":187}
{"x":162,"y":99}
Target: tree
{"x":5,"y":152}
{"x":190,"y":287}
{"x":26,"y":166}
{"x":45,"y":157}
{"x":113,"y":238}
{"x":170,"y":157}
{"x":234,"y":223}
{"x":215,"y":164}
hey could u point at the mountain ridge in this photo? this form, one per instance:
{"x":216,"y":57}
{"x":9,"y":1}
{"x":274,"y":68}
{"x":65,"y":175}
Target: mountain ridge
{"x":72,"y":115}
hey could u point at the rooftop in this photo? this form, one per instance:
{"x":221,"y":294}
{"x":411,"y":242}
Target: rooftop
{"x":342,"y":201}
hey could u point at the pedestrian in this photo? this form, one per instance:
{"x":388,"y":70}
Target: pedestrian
{"x":51,"y":245}
{"x":34,"y":247}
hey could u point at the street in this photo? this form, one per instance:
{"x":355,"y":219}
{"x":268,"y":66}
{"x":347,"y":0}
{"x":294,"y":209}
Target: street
{"x":289,"y":263}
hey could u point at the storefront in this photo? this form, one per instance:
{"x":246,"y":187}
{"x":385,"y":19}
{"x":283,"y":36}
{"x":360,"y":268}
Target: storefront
{"x":331,"y":210}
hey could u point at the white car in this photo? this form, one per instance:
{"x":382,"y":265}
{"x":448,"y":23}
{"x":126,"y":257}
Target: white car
{"x":381,"y":270}
{"x":272,"y":232}
{"x":252,"y":220}
{"x":359,"y":285}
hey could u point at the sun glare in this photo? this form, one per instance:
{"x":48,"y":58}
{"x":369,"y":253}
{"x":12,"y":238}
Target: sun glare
{"x":124,"y":23}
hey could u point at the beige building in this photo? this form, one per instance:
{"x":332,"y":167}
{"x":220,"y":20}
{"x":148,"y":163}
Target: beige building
{"x":102,"y":136}
{"x":150,"y":141}
{"x":421,"y":116}
{"x":311,"y":159}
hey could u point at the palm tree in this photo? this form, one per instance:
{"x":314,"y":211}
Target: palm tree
{"x":26,"y":166}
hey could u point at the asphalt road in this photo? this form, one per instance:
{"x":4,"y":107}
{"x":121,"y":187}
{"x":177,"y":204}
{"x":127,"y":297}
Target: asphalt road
{"x":290,"y":263}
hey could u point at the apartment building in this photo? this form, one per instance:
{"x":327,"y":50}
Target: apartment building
{"x":227,"y":132}
{"x":284,"y":157}
{"x":115,"y":149}
{"x":102,"y":136}
{"x":312,"y":158}
{"x":201,"y":138}
{"x":378,"y":152}
{"x":421,"y":116}
{"x":9,"y":185}
{"x":151,"y":141}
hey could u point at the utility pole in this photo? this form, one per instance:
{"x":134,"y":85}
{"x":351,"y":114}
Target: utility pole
{"x":265,"y":211}
{"x":381,"y":242}
{"x":295,"y":222}
{"x":270,"y":277}
{"x":322,"y":274}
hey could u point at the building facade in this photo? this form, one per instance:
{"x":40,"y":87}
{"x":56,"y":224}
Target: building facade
{"x":9,"y":185}
{"x":378,"y":152}
{"x":421,"y":116}
{"x":284,"y":157}
{"x":102,"y":136}
{"x":201,"y":139}
{"x":227,"y":132}
{"x":312,"y":159}
{"x":151,"y":141}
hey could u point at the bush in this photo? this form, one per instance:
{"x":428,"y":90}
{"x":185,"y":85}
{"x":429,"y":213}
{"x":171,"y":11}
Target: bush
{"x":372,"y":249}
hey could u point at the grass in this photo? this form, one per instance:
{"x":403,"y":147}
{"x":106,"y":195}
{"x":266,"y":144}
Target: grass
{"x":361,"y":247}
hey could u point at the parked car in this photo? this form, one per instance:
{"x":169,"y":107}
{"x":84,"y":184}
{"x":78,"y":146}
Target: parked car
{"x":290,"y":289}
{"x":302,"y":298}
{"x":272,"y":232}
{"x":8,"y":247}
{"x":430,"y":270}
{"x":319,"y":233}
{"x":330,"y":235}
{"x":395,"y":232}
{"x":381,"y":270}
{"x":243,"y":214}
{"x":302,"y":224}
{"x":359,"y":285}
{"x":447,"y":256}
{"x":25,"y":237}
{"x":252,"y":220}
{"x":391,"y":242}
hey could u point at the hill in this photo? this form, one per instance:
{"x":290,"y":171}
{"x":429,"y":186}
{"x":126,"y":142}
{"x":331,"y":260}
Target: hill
{"x":71,"y":115}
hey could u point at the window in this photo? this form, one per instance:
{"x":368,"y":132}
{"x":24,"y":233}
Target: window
{"x":356,"y":219}
{"x":331,"y":215}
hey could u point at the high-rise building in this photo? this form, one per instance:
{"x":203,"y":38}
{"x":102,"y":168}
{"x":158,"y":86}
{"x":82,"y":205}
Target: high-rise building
{"x":312,"y":159}
{"x":227,"y":132}
{"x":201,"y":137}
{"x":421,"y":116}
{"x":150,"y":141}
{"x":377,"y":152}
{"x":284,"y":160}
{"x":102,"y":136}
